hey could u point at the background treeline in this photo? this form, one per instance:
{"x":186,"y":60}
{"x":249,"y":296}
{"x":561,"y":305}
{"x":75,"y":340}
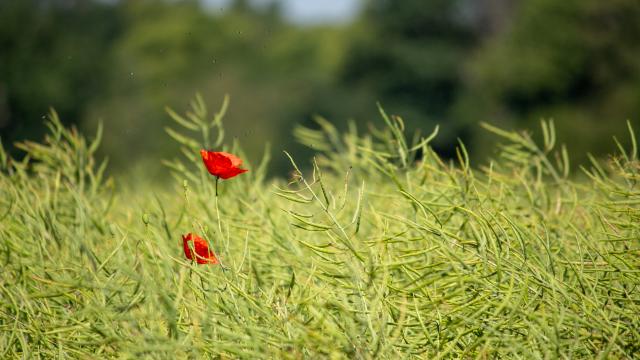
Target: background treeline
{"x":448,"y":62}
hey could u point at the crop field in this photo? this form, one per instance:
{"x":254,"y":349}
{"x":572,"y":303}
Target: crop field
{"x":377,"y":248}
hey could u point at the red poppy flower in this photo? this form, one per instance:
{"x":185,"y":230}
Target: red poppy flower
{"x":222,"y":164}
{"x":202,"y":252}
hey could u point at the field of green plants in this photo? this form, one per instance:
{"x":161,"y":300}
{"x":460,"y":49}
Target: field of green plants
{"x":376,"y":249}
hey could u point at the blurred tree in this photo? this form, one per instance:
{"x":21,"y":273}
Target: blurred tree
{"x":52,"y":53}
{"x":170,"y":50}
{"x":410,"y":58}
{"x":452,"y":62}
{"x":573,"y":60}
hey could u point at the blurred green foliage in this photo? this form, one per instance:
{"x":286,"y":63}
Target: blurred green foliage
{"x":574,"y":61}
{"x":411,"y":59}
{"x":448,"y":62}
{"x":52,"y":54}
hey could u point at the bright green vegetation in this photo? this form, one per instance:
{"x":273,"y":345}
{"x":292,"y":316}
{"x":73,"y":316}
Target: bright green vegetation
{"x":380,"y":250}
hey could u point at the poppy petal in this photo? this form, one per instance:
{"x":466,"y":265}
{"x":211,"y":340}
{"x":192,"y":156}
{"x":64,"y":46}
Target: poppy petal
{"x":221,"y":164}
{"x":214,"y":162}
{"x":185,"y":246}
{"x":229,"y":173}
{"x":203,"y":255}
{"x":235,"y":161}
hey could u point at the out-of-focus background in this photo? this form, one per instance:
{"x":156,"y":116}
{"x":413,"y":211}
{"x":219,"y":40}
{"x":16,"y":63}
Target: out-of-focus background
{"x":448,"y":62}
